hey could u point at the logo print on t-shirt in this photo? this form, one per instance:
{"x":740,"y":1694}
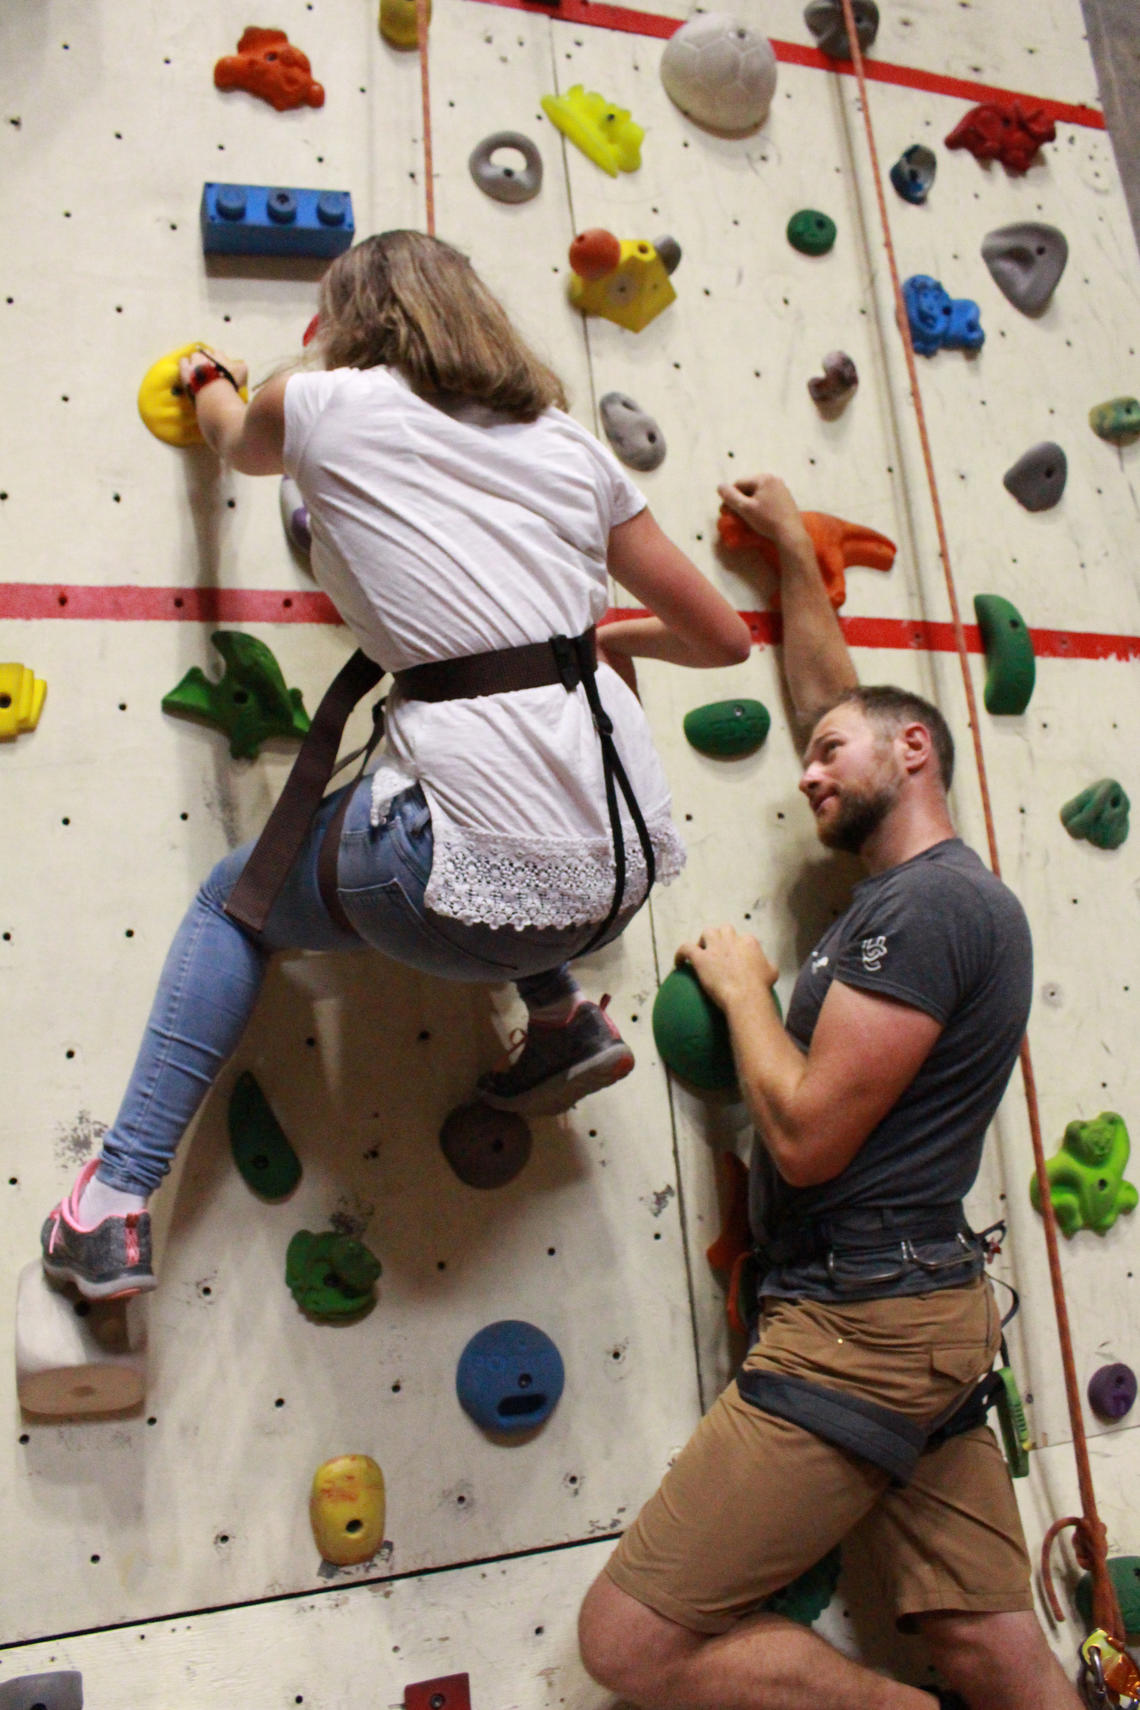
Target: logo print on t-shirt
{"x":818,"y":962}
{"x":874,"y":949}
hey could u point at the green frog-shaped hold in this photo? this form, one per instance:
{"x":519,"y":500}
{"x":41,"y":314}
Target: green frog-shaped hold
{"x":1086,"y":1176}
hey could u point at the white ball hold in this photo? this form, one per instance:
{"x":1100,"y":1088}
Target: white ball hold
{"x":720,"y":72}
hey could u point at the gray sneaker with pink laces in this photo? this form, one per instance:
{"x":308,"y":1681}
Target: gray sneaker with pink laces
{"x":110,"y":1259}
{"x":559,"y":1063}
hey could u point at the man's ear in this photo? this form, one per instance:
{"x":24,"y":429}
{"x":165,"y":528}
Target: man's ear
{"x":917,"y":746}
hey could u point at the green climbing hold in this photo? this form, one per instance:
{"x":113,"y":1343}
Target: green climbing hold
{"x":1086,"y":1176}
{"x":806,"y":1598}
{"x":1010,"y":668}
{"x":724,"y":729}
{"x":261,"y":1150}
{"x":330,"y":1275}
{"x":811,"y":232}
{"x":1098,"y":815}
{"x":250,"y":703}
{"x":691,"y":1033}
{"x":1118,"y":420}
{"x":1124,"y":1572}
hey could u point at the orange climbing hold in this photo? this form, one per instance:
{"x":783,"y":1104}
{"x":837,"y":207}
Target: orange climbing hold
{"x":735,"y":1234}
{"x":839,"y":546}
{"x":594,"y":253}
{"x":269,"y":66}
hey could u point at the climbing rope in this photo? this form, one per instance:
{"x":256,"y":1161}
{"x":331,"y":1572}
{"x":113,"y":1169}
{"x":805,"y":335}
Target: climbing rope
{"x":425,"y":104}
{"x":1090,"y":1542}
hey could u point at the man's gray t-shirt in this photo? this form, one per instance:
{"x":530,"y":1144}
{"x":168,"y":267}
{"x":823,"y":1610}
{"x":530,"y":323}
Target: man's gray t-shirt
{"x":941,"y":934}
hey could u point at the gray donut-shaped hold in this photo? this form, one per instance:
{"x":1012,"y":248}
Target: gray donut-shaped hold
{"x":504,"y":182}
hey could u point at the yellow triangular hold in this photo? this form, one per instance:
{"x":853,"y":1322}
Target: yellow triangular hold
{"x":638,"y":288}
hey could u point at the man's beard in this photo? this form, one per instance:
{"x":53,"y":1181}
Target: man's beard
{"x":859,"y":815}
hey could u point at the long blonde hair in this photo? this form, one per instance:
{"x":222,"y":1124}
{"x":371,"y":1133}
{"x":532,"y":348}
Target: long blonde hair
{"x":414,"y":303}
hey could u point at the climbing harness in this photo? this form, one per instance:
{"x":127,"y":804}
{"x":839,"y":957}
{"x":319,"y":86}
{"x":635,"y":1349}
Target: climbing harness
{"x":569,"y":660}
{"x":889,"y":1440}
{"x":1091,"y":1540}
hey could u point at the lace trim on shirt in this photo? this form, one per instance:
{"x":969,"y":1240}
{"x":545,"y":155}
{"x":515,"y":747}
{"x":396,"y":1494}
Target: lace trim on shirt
{"x":485,"y":878}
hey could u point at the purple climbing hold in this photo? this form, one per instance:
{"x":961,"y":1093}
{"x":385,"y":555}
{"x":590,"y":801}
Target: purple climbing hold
{"x":1112,"y":1391}
{"x":295,"y":516}
{"x":831,"y":389}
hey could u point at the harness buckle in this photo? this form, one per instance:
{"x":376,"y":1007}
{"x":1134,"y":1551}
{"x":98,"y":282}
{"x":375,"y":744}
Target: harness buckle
{"x":566,"y":662}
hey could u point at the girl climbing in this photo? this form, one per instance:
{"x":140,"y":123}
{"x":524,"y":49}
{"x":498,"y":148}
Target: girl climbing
{"x":457,"y":514}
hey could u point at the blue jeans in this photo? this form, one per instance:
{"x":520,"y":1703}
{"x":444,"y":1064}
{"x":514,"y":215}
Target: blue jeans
{"x":213,"y":971}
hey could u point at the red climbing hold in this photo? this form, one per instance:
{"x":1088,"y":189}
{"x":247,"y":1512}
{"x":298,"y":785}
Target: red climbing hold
{"x":445,"y":1692}
{"x":1004,"y":130}
{"x":267,"y":65}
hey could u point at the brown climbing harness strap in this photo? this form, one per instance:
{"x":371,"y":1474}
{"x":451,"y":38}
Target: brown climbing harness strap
{"x":287,"y":826}
{"x":538,"y":664}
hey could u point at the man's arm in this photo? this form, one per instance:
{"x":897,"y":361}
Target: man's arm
{"x":817,"y":665}
{"x":813,"y":1111}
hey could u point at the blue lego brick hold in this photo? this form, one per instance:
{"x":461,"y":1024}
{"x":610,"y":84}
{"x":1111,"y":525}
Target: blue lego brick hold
{"x":259,"y":219}
{"x":939,"y":321}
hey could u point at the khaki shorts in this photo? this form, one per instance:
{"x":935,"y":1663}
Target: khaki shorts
{"x":753,"y":1501}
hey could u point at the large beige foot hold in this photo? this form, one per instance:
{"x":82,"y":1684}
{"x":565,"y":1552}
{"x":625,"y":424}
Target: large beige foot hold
{"x":75,"y":1356}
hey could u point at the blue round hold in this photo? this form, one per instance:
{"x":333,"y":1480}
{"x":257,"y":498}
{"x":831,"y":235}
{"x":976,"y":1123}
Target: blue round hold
{"x":510,"y":1376}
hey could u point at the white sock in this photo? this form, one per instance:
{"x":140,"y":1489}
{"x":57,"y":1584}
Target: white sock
{"x":559,"y":1011}
{"x":100,"y":1201}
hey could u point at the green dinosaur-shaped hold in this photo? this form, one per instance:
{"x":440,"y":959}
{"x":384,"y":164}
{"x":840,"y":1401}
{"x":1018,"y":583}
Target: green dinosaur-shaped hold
{"x":1010,"y":668}
{"x":1098,"y":815}
{"x":330,"y":1275}
{"x":1124,"y":1572}
{"x":260,"y":1147}
{"x":806,"y":1598}
{"x":250,"y":703}
{"x":1086,"y":1176}
{"x":1117,"y":420}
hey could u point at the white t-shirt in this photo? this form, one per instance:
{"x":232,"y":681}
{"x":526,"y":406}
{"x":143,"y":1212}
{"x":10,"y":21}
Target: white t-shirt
{"x":441,"y":533}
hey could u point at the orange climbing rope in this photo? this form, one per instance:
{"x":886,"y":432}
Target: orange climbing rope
{"x":1091,"y":1542}
{"x":425,"y":103}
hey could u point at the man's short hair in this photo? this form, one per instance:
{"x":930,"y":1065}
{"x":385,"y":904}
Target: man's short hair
{"x":889,"y":708}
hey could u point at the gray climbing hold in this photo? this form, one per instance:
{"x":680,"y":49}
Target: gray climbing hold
{"x":824,"y":18}
{"x":668,"y":252}
{"x":634,"y":435}
{"x":913,"y":173}
{"x":60,"y":1690}
{"x":831,"y":389}
{"x":486,"y":1148}
{"x":1037,"y":479}
{"x":502,"y":180}
{"x":1026,"y":261}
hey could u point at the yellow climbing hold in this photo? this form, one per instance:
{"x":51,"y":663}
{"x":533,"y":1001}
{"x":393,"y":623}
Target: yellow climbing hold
{"x":163,"y":405}
{"x":21,"y":700}
{"x":398,"y":22}
{"x":604,"y":132}
{"x":346,"y":1509}
{"x":632,"y":293}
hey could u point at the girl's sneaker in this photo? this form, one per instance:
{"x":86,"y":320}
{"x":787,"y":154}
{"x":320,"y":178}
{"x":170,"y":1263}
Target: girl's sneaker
{"x":110,"y":1259}
{"x":559,"y":1063}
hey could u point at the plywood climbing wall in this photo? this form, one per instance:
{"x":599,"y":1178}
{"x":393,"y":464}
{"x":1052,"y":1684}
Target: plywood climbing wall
{"x":167,"y":1553}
